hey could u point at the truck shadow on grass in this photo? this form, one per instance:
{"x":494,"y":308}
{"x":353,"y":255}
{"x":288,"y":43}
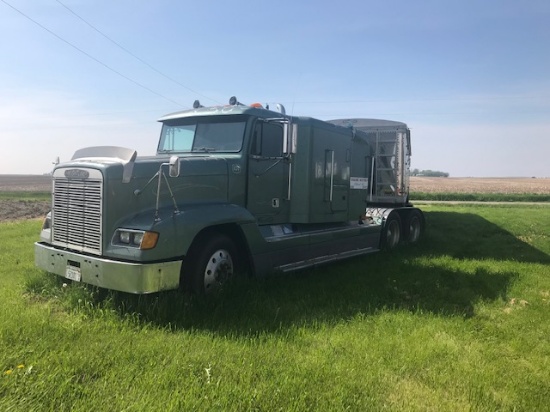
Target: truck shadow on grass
{"x":457,"y":265}
{"x":470,"y":236}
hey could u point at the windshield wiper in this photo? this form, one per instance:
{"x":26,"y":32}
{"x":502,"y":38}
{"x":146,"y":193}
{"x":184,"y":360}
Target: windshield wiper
{"x":204,"y":149}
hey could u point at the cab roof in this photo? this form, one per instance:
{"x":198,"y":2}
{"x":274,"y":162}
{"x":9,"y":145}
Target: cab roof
{"x":222,"y":111}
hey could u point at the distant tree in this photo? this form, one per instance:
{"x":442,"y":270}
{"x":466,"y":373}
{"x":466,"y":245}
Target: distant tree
{"x":429,"y":173}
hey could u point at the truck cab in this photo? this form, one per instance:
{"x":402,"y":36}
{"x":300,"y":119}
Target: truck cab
{"x":233,"y":188}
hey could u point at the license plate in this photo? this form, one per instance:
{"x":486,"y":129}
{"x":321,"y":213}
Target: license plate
{"x":73,"y":273}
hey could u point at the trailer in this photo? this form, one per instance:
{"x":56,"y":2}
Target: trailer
{"x":234,"y":188}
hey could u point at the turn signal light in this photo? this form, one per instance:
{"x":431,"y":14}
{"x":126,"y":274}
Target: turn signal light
{"x":149,"y":240}
{"x":136,"y":238}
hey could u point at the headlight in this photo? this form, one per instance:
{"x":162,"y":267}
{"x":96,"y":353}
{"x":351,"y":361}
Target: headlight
{"x":135,"y":238}
{"x":124,"y":237}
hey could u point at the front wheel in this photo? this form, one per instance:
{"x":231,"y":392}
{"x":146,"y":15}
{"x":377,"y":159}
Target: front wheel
{"x":212,"y":264}
{"x":391,"y":235}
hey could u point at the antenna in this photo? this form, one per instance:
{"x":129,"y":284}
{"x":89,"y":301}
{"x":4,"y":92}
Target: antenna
{"x":294,"y":97}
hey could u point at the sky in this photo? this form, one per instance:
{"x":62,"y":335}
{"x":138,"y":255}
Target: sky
{"x":470,"y":78}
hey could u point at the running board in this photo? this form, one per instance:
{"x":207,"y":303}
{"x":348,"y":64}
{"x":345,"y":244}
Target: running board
{"x":324,"y":259}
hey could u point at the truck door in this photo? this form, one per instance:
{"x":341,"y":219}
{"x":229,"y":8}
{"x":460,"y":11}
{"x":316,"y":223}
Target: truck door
{"x":268,"y":174}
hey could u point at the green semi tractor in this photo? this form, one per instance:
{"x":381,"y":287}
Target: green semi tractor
{"x":232,"y":189}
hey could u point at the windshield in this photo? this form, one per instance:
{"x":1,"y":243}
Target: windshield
{"x":203,"y":134}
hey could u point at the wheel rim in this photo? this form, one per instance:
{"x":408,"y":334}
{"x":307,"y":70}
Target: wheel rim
{"x":393,"y":234}
{"x":414,"y":229}
{"x":218,"y":270}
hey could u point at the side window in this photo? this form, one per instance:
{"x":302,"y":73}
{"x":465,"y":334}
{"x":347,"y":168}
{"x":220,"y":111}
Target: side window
{"x":256,"y":148}
{"x":268,"y":140}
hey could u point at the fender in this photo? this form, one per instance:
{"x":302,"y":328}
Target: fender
{"x":177,"y":230}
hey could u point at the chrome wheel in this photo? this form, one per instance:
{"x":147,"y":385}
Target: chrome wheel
{"x":414,"y":229}
{"x":212,"y":261}
{"x":414,"y":226}
{"x":391,"y":235}
{"x":219,"y":269}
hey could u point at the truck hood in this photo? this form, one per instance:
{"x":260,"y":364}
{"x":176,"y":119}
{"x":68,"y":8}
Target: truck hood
{"x":201,"y":179}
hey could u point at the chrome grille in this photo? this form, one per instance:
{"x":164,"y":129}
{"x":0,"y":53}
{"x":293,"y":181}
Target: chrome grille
{"x":76,"y":214}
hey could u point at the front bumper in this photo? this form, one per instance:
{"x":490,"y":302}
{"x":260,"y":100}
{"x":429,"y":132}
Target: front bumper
{"x":128,"y":277}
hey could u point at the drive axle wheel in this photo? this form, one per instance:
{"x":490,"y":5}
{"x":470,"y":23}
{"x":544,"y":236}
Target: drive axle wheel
{"x":391,"y":235}
{"x":213,"y":265}
{"x":414,"y":226}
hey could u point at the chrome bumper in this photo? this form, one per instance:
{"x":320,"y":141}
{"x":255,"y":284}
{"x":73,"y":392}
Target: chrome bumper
{"x":110,"y":274}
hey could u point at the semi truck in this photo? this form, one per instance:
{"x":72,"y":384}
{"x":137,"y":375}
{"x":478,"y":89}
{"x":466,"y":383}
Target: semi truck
{"x":232,"y":189}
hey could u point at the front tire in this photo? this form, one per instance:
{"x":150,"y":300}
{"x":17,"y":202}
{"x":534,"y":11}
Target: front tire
{"x":213,"y":263}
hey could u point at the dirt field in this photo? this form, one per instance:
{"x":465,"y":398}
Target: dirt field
{"x":25,"y":183}
{"x":480,"y":185}
{"x":24,"y":209}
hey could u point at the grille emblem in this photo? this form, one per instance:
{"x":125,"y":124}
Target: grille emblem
{"x":76,"y":174}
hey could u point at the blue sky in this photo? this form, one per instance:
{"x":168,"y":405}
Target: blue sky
{"x":470,"y":78}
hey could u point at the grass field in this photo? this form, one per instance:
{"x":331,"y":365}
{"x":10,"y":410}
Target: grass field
{"x":460,"y":321}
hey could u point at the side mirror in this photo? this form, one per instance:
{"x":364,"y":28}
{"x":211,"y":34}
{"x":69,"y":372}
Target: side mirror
{"x":285,"y":138}
{"x":290,"y":138}
{"x":174,"y":166}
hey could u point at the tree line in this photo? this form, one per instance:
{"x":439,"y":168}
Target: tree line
{"x":429,"y":173}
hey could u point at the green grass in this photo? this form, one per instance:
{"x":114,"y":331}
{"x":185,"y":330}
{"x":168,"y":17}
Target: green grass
{"x":458,"y":322}
{"x":481,"y":197}
{"x":19,"y":195}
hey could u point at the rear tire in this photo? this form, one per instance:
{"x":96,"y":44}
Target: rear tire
{"x":391,"y":235}
{"x":414,"y":226}
{"x":213,"y":263}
